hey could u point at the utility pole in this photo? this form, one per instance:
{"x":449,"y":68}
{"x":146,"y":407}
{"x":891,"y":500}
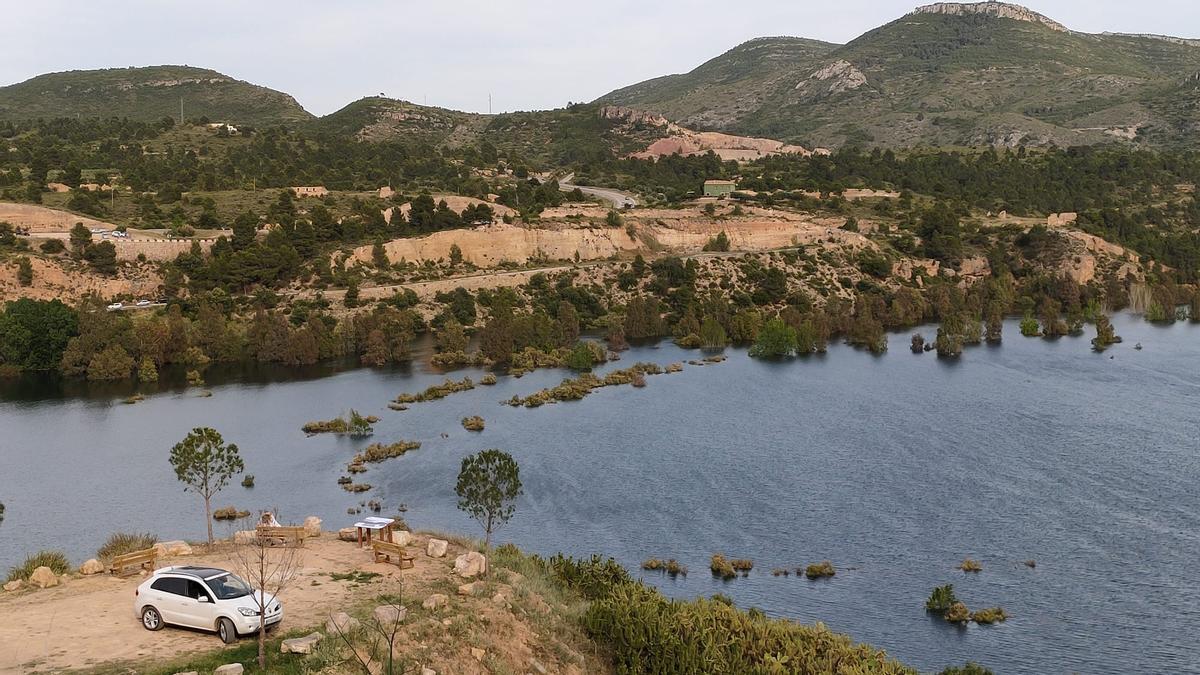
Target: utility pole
{"x":180,"y":111}
{"x":489,"y":103}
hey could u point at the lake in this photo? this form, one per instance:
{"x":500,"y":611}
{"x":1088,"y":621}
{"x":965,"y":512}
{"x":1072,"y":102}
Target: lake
{"x":894,"y":468}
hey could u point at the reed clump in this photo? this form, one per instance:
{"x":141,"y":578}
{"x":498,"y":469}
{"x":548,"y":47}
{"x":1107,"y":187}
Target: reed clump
{"x":820,"y":570}
{"x":437,"y":391}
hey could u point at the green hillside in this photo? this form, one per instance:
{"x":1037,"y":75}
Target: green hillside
{"x":972,"y":76}
{"x":147,"y":94}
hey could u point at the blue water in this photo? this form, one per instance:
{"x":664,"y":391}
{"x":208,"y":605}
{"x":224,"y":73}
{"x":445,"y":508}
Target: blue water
{"x":894,"y":468}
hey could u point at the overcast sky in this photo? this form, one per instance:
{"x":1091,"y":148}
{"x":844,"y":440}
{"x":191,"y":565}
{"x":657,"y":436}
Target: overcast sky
{"x":529,"y":54}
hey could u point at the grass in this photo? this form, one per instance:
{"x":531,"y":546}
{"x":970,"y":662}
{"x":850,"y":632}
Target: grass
{"x":56,"y":560}
{"x":473,"y":423}
{"x":820,"y":570}
{"x":120,"y":543}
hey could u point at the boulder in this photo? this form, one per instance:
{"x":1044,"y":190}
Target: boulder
{"x":348,"y":534}
{"x":477,"y":653}
{"x":190,"y":672}
{"x":245,"y":537}
{"x":169,"y":548}
{"x":300,"y":645}
{"x":14,"y":585}
{"x":312,"y":526}
{"x":402,"y":537}
{"x":468,"y":589}
{"x":470,"y":564}
{"x":43,"y":577}
{"x":435,"y":601}
{"x":91,"y":567}
{"x":436,"y":548}
{"x":388,"y":615}
{"x":230,"y":669}
{"x":428,"y":671}
{"x":341,"y":623}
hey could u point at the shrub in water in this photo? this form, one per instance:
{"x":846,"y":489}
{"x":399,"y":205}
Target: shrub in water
{"x":969,"y":565}
{"x":721,"y":567}
{"x":989,"y":615}
{"x":248,"y":481}
{"x":941,"y":599}
{"x":820,"y":570}
{"x":958,"y":613}
{"x":473,"y":423}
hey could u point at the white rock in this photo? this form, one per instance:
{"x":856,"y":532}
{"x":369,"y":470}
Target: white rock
{"x":340,"y":623}
{"x":436,"y":548}
{"x":468,"y":589}
{"x":91,"y":567}
{"x":43,"y":577}
{"x":245,"y":537}
{"x":230,"y":669}
{"x":470,"y":564}
{"x":348,"y":534}
{"x":14,"y":585}
{"x":402,"y":537}
{"x":477,"y":653}
{"x":537,"y":665}
{"x":166,"y":548}
{"x":436,"y":600}
{"x":428,"y":671}
{"x":312,"y":526}
{"x":190,"y":672}
{"x":300,"y":645}
{"x":389,"y":615}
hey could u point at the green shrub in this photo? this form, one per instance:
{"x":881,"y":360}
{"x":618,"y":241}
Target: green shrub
{"x":970,"y":668}
{"x":649,"y":634}
{"x":248,"y":481}
{"x":941,"y":599}
{"x":120,"y":543}
{"x":55,"y":560}
{"x":820,"y":570}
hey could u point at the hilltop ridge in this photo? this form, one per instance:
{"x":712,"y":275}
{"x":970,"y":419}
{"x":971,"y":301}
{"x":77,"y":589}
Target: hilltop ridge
{"x":1000,"y":10}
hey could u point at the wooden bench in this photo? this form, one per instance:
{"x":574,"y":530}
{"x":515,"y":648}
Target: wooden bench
{"x":145,"y":559}
{"x":387,"y":550}
{"x":283,"y":534}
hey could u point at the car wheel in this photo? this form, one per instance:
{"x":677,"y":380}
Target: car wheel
{"x":226,"y":631}
{"x":151,"y":619}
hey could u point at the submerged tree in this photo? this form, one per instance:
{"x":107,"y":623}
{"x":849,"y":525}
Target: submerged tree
{"x":775,"y":340}
{"x":488,"y":484}
{"x":1105,"y":335}
{"x":204,"y":464}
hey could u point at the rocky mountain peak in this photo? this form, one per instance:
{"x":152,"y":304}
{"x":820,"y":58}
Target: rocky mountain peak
{"x":1001,"y":10}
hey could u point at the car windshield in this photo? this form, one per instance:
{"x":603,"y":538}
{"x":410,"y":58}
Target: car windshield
{"x":228,"y":587}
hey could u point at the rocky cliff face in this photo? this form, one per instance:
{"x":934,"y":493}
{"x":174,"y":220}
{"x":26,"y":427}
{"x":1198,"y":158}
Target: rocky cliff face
{"x":1001,"y":10}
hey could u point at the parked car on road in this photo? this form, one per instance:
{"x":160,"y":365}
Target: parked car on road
{"x":115,"y":306}
{"x":143,"y":303}
{"x":205,"y":598}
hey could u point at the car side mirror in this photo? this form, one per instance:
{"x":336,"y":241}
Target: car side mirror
{"x":203,"y":598}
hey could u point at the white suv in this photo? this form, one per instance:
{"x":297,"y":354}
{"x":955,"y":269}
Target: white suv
{"x":205,"y":598}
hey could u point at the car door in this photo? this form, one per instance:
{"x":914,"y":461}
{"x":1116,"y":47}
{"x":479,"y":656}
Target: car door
{"x":197,"y":607}
{"x":169,"y":596}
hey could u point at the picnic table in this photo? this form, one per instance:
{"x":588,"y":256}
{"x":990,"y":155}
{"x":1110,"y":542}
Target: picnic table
{"x":374,"y":524}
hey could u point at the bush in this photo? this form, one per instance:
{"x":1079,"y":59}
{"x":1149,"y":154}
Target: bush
{"x":958,"y":613}
{"x":55,"y":560}
{"x":120,"y":543}
{"x":721,"y":567}
{"x":473,"y":423}
{"x":989,"y":616}
{"x":941,"y":599}
{"x":648,"y":633}
{"x":971,"y":668}
{"x":230,"y":513}
{"x":248,"y":481}
{"x":820,"y":570}
{"x":969,"y":565}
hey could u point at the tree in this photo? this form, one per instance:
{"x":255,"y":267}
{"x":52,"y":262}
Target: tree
{"x":268,"y":568}
{"x":204,"y":464}
{"x":24,"y":271}
{"x":102,"y":257}
{"x":776,"y":339}
{"x":81,"y":237}
{"x":451,"y":337}
{"x":456,"y":256}
{"x":35,"y":333}
{"x":379,"y":256}
{"x":488,"y":484}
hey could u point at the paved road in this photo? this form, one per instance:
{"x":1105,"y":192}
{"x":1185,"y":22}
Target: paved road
{"x":615,"y":197}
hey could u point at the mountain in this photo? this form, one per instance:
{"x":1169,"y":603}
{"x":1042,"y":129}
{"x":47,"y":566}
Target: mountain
{"x":947,"y":74}
{"x":542,"y":137}
{"x":149,"y":93}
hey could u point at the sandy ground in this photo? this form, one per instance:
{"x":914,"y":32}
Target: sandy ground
{"x":89,"y":620}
